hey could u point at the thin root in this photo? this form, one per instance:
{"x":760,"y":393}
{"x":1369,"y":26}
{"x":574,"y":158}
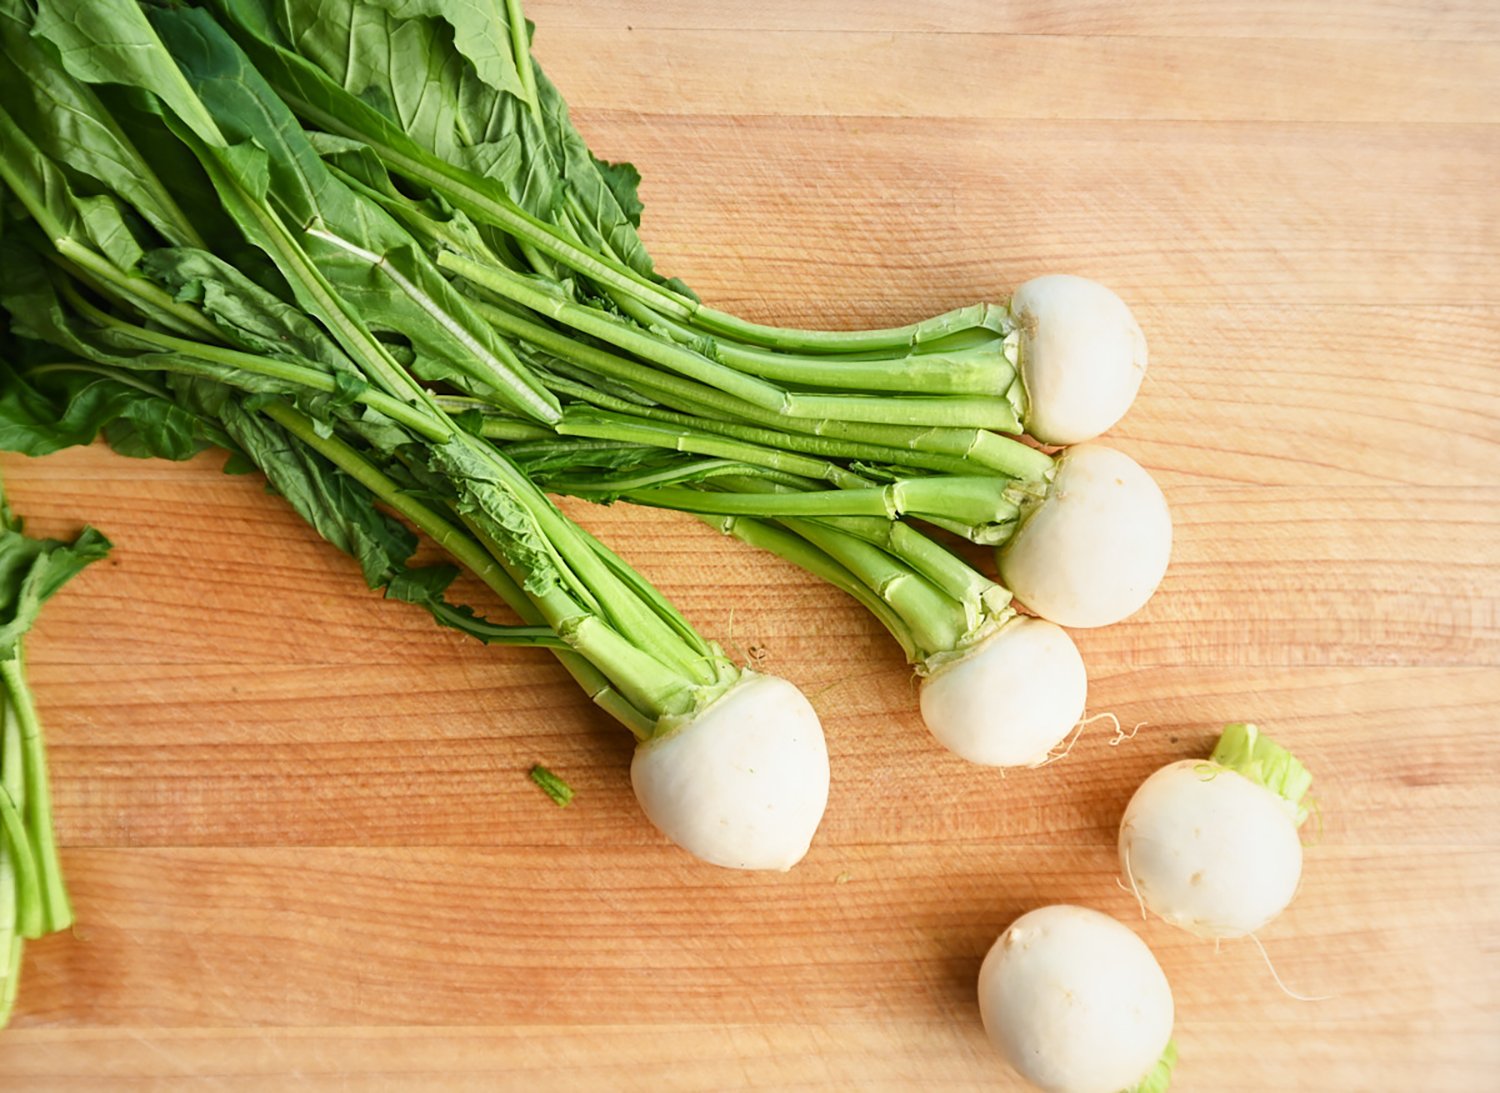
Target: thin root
{"x":1055,"y":756}
{"x":1134,"y":891}
{"x":1284,"y":988}
{"x":1121,"y":735}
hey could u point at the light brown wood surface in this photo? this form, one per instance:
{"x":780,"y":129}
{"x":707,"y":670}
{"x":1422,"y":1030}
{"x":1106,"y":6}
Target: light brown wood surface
{"x":297,"y":824}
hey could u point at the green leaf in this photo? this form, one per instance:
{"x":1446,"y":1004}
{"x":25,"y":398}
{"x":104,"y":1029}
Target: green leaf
{"x":380,"y":273}
{"x":596,"y":211}
{"x":71,"y":125}
{"x":339,"y":508}
{"x":624,"y":183}
{"x":77,"y":406}
{"x":49,"y":197}
{"x":32,"y":570}
{"x":111,"y":41}
{"x":481,"y":31}
{"x":254,"y":318}
{"x":408,"y":93}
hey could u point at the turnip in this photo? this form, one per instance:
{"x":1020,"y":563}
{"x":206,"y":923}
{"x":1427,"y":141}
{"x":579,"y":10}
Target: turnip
{"x":1212,"y":846}
{"x":1011,"y":699}
{"x":1083,"y":357}
{"x":1077,"y":1003}
{"x":1094,"y":549}
{"x":744,"y":783}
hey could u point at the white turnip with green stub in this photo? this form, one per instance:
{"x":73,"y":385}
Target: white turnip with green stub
{"x":1076,"y":1003}
{"x":1212,"y":846}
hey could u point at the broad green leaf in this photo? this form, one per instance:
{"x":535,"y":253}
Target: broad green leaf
{"x":253,"y":317}
{"x":44,"y":190}
{"x":481,"y":31}
{"x":70,"y":124}
{"x":342,"y":511}
{"x":381,"y":276}
{"x":77,"y":406}
{"x":111,"y":41}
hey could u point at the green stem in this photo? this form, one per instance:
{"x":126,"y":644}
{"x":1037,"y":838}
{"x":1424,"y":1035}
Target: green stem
{"x":936,"y":621}
{"x":803,"y":554}
{"x":13,"y":789}
{"x":57,"y":913}
{"x":986,"y":449}
{"x":499,"y":368}
{"x":31,"y":916}
{"x":980,"y":597}
{"x":1244,"y":749}
{"x":816,"y":446}
{"x":975,"y":316}
{"x":136,"y":288}
{"x":636,"y":620}
{"x":977,"y":411}
{"x":424,"y":424}
{"x":600,"y":690}
{"x":530,"y":294}
{"x":966,"y":500}
{"x":604,"y":426}
{"x":711,"y":656}
{"x":552,"y":607}
{"x":984,"y":369}
{"x":521,"y":48}
{"x":10,"y":977}
{"x":618,"y":484}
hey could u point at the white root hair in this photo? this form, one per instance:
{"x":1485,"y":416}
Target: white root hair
{"x":1284,"y":988}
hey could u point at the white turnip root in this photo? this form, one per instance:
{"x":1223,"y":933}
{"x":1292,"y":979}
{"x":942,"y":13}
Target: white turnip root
{"x":1010,"y":700}
{"x":1095,"y":548}
{"x":1083,"y":357}
{"x":1212,"y":846}
{"x":1076,"y":1003}
{"x":744,"y":783}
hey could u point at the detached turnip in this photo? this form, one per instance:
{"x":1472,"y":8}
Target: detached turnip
{"x":744,"y":783}
{"x":1083,"y":357}
{"x":1095,"y":548}
{"x":1212,"y":846}
{"x":1077,"y":1004}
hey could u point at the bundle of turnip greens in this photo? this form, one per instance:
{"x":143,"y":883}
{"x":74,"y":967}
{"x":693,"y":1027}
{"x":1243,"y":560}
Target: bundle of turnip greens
{"x":366,"y":251}
{"x":173,"y":240}
{"x":33,"y":898}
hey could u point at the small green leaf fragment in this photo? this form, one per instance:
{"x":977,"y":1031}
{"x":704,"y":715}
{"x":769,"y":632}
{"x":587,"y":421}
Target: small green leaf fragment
{"x":553,"y":786}
{"x":1160,"y":1077}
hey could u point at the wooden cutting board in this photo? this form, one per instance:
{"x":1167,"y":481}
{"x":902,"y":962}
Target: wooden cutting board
{"x":296,"y":817}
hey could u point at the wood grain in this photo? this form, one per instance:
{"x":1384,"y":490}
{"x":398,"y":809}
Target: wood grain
{"x":295,"y":816}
